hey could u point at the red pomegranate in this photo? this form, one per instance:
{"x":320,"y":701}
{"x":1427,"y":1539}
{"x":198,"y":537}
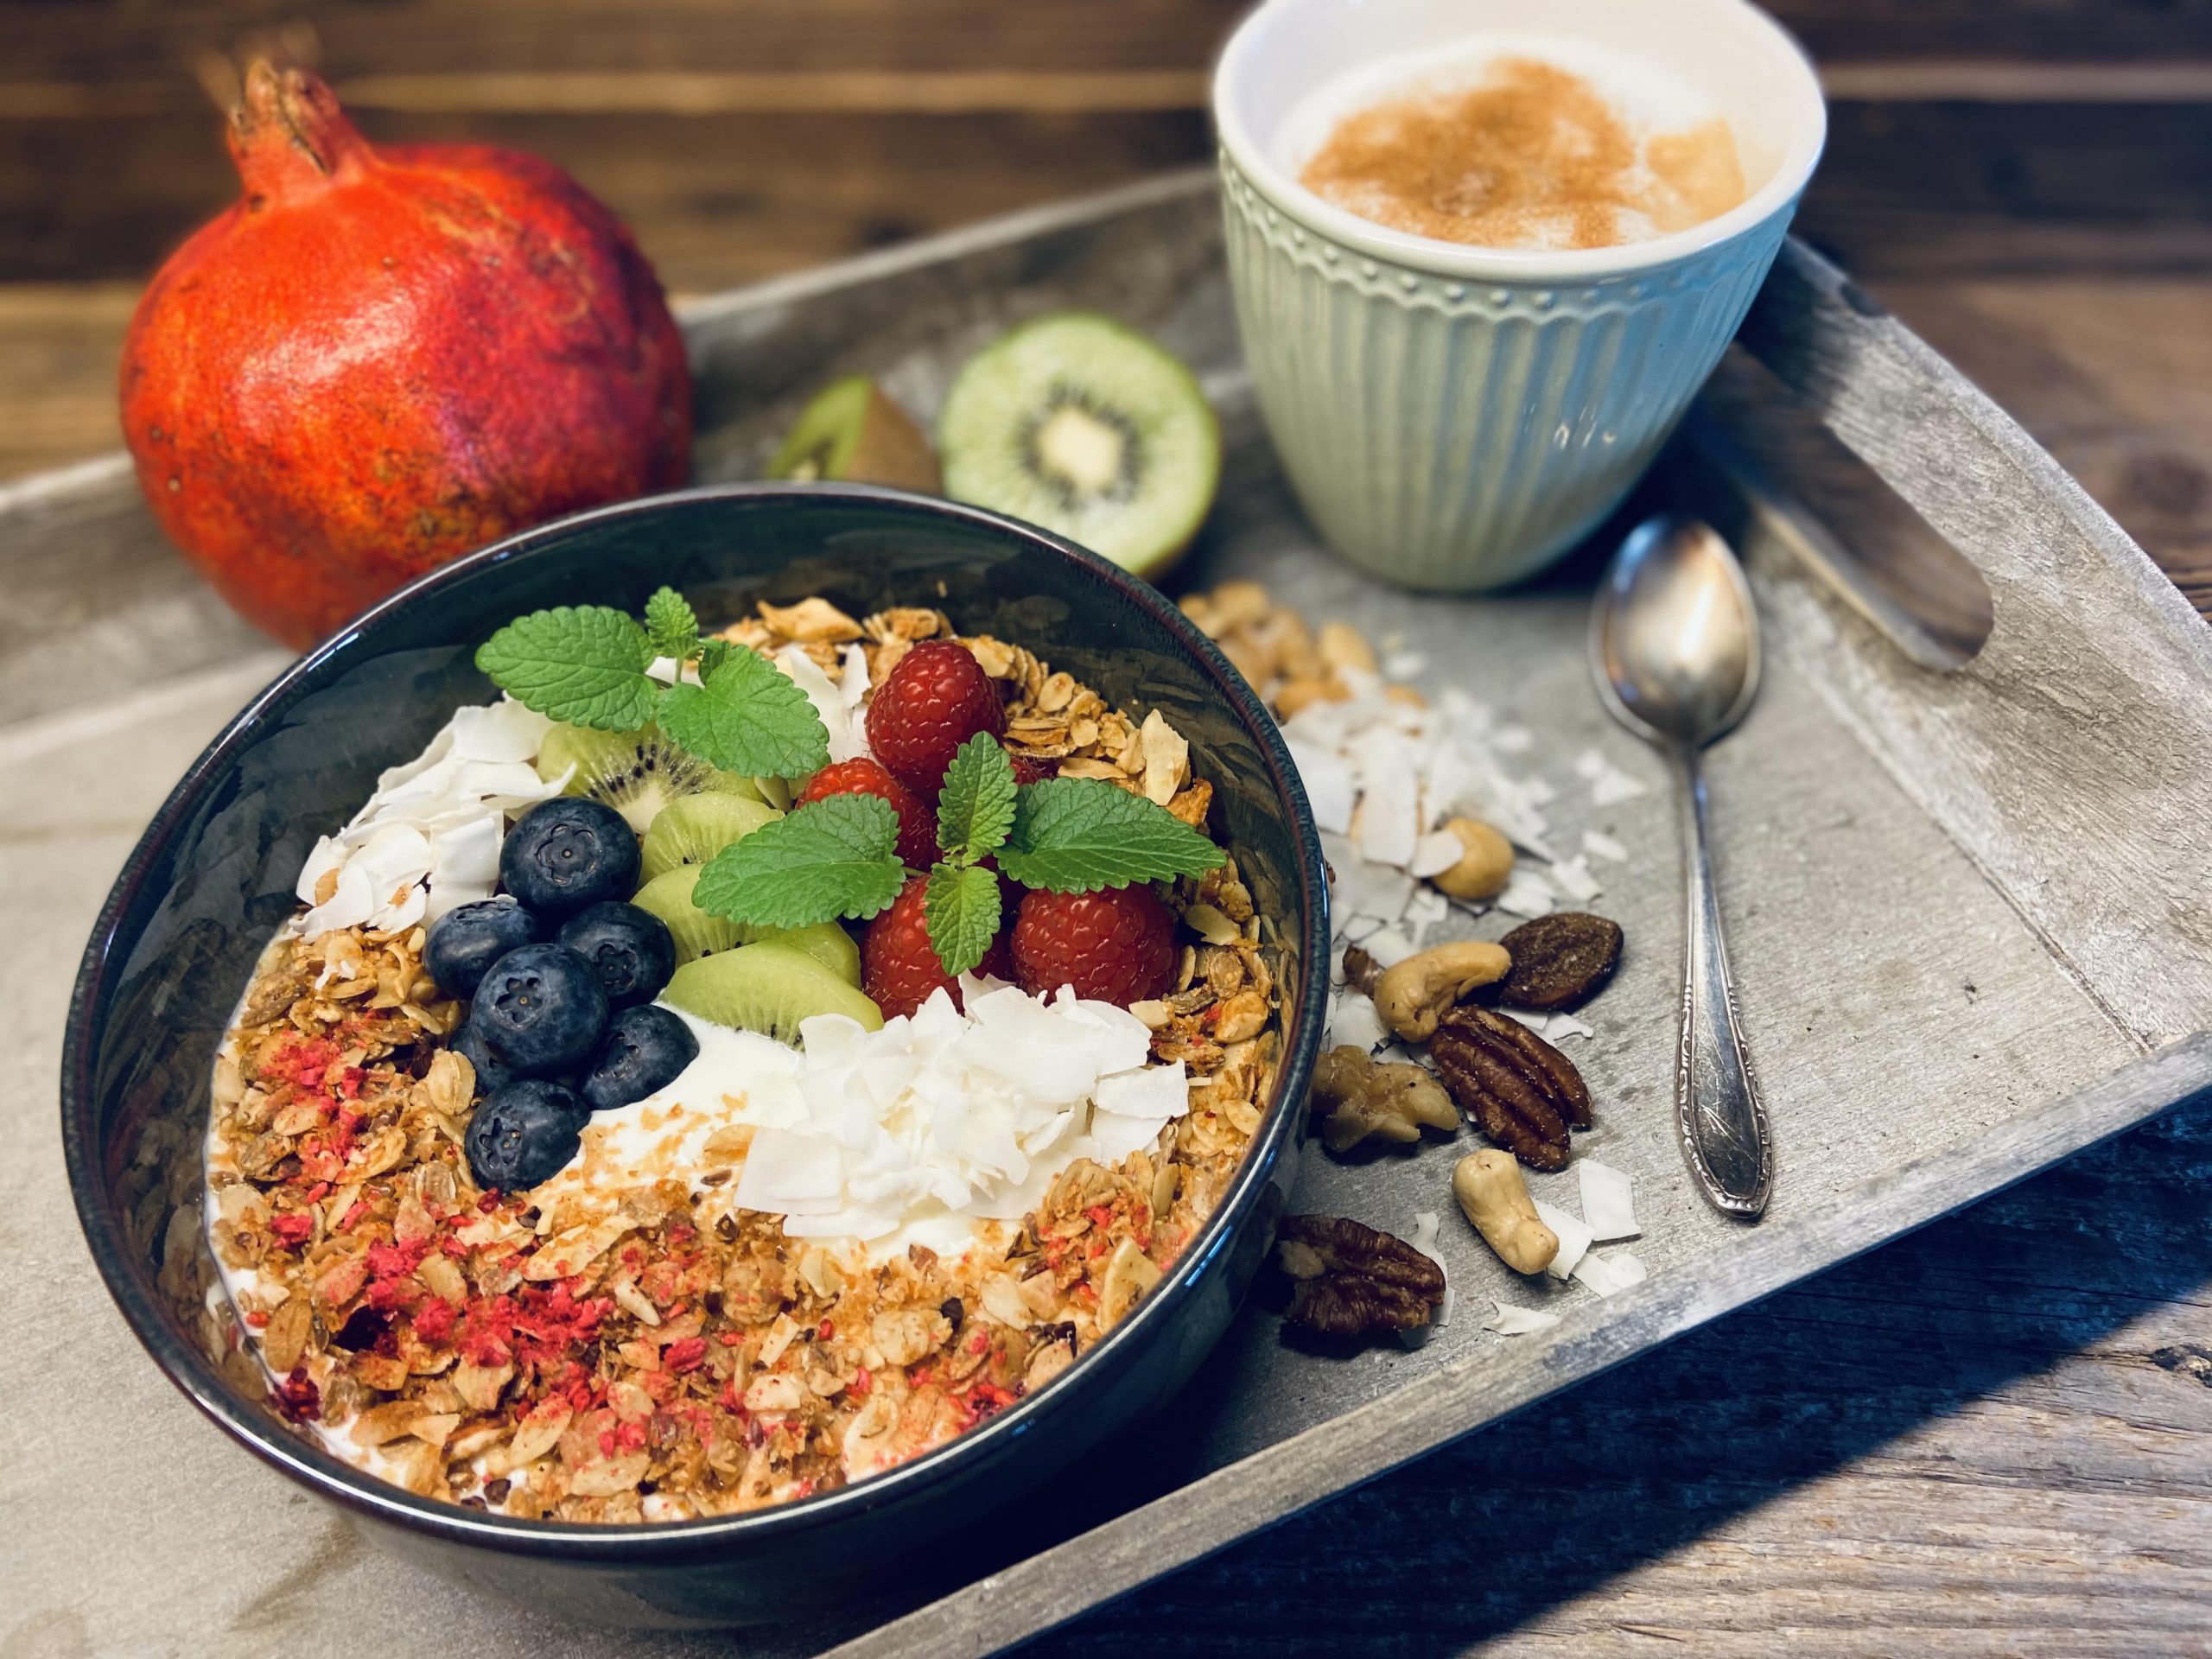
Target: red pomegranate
{"x":378,"y":359}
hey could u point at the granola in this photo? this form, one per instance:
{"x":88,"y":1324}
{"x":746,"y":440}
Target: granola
{"x":643,"y":1349}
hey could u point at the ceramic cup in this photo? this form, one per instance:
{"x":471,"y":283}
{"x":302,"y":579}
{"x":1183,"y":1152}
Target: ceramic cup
{"x":1455,"y":417}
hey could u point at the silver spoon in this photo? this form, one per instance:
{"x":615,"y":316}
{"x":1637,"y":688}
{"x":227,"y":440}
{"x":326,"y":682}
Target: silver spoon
{"x":1674,"y":648}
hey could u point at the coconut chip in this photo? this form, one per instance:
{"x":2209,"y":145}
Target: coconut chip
{"x":1511,"y":1321}
{"x":1608,"y":1201}
{"x":1609,"y":1275}
{"x":1598,"y":844}
{"x":1573,"y":1239}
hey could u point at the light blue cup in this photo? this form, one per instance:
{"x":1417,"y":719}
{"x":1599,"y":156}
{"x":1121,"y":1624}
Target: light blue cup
{"x":1454,"y":418}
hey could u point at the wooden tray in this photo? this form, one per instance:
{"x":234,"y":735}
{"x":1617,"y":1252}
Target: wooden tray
{"x":1968,"y":903}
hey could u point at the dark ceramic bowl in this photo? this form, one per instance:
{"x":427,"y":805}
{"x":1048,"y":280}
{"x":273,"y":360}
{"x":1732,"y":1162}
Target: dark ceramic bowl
{"x":213,"y":877}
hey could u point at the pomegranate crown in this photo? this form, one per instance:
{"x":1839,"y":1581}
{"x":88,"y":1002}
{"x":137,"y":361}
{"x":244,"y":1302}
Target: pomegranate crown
{"x":287,"y":134}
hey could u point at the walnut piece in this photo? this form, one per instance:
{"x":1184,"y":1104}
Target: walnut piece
{"x":1351,"y":1280}
{"x":1522,"y":1092}
{"x":1356,"y":1097}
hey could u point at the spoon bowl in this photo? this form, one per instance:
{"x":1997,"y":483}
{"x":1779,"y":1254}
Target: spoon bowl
{"x":1674,"y":639}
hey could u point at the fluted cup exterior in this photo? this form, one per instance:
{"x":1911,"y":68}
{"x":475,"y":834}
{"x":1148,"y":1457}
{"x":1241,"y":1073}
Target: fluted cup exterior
{"x":1453,"y":434}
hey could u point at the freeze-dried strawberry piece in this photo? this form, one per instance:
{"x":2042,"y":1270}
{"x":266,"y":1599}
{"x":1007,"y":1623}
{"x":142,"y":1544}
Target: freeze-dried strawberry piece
{"x":935,"y":700}
{"x":862,"y":776}
{"x":1114,"y":946}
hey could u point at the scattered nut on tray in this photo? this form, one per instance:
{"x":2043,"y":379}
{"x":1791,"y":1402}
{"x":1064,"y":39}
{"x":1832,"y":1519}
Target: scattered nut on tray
{"x":1415,"y":843}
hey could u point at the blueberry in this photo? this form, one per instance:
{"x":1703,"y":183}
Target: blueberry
{"x":631,"y":950}
{"x":539,"y":1008}
{"x":492,"y":1069}
{"x":644,"y":1051}
{"x":469,"y":938}
{"x":568,"y":852}
{"x":524,"y":1133}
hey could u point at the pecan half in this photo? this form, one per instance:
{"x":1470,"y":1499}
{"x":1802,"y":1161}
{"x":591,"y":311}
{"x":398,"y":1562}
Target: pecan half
{"x":1351,"y":1280}
{"x":1522,"y":1092}
{"x":1559,"y":961}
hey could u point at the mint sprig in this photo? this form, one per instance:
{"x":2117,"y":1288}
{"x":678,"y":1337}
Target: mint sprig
{"x":961,"y":906}
{"x":585,"y":664}
{"x":1077,"y":834}
{"x":833,"y":860}
{"x":975,"y":808}
{"x":671,"y":626}
{"x":748,"y":715}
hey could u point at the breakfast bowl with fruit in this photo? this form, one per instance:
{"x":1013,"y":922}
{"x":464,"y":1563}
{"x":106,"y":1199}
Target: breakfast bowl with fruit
{"x":690,"y":1056}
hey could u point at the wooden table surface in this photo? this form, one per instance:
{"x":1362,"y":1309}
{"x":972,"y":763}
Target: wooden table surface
{"x":1992,"y":1438}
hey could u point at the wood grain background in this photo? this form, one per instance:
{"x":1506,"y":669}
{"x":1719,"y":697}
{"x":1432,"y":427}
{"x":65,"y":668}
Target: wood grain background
{"x":1993,"y":1438}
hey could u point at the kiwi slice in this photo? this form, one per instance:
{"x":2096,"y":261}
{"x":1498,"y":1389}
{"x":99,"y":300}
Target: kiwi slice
{"x":768,"y":988}
{"x":693,"y":829}
{"x":853,"y":430}
{"x":699,"y":933}
{"x":638,"y":773}
{"x":1087,"y":427}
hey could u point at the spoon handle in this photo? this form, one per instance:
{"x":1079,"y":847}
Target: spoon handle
{"x":1718,"y":1110}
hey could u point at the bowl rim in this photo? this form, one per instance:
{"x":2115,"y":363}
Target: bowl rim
{"x":130,"y":1286}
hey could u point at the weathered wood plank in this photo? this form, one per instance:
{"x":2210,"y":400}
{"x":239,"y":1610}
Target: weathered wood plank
{"x":1984,"y":1440}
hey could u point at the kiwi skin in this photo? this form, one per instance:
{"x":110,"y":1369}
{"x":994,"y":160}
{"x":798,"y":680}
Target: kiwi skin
{"x":853,"y":432}
{"x":768,"y":988}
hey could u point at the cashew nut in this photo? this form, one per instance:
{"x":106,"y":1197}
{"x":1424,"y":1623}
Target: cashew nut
{"x":1342,"y":645}
{"x":1490,"y":1188}
{"x":1485,"y":867}
{"x":1413,"y":995}
{"x":1306,"y":689}
{"x":1365,"y":1097}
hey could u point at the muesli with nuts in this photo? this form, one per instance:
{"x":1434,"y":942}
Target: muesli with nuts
{"x":730,"y":1066}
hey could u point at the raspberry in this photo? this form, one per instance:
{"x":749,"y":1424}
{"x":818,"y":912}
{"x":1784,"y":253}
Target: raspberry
{"x":1115,"y":946}
{"x":1033,"y":768}
{"x":935,"y":700}
{"x":862,"y":776}
{"x":899,"y":966}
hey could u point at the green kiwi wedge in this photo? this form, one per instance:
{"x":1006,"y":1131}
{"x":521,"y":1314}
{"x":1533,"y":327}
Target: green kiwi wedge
{"x":1079,"y":424}
{"x":768,"y":988}
{"x":692,"y":830}
{"x":638,"y":773}
{"x":853,"y":431}
{"x":699,"y":933}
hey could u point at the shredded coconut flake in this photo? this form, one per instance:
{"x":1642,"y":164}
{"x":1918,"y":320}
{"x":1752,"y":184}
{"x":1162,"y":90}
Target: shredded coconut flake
{"x":429,"y":839}
{"x":1598,"y":844}
{"x":1511,"y":1321}
{"x":1608,"y":1201}
{"x":1573,"y":1238}
{"x":1609,"y":1275}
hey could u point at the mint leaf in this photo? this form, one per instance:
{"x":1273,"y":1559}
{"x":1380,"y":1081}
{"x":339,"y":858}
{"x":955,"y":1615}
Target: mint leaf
{"x":749,"y":717}
{"x":836,"y":858}
{"x":961,"y":909}
{"x":713,"y":653}
{"x":1076,"y":835}
{"x":671,"y":625}
{"x":584,"y":664}
{"x":976,"y":808}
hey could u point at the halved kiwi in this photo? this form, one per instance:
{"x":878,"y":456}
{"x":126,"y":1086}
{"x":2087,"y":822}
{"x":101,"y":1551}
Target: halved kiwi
{"x":699,"y":933}
{"x":768,"y":988}
{"x":638,"y":773}
{"x":693,"y":829}
{"x":853,"y":430}
{"x":1079,"y":424}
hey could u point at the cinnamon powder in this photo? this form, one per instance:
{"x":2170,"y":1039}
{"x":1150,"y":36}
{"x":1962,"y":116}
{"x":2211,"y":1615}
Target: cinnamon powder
{"x":1532,"y":156}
